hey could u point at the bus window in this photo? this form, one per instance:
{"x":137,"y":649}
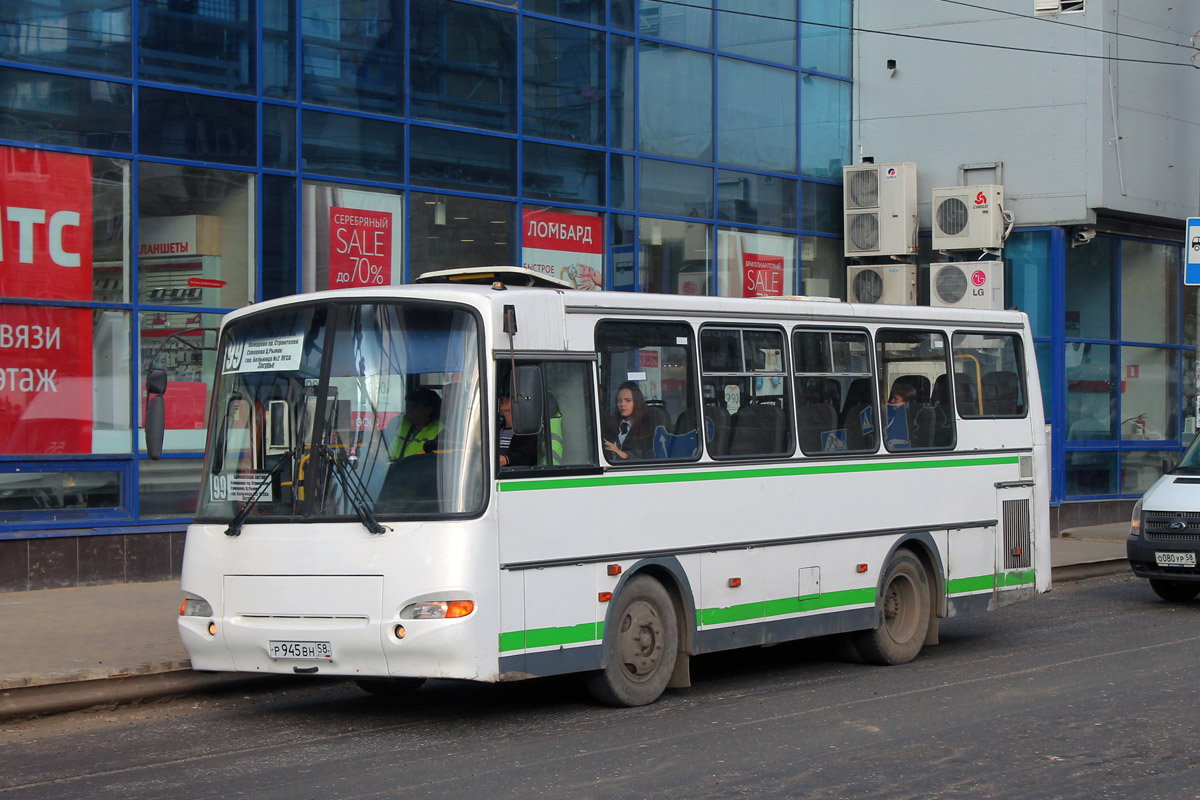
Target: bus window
{"x":745,"y":391}
{"x":835,"y":409}
{"x":647,"y":369}
{"x":568,"y":434}
{"x":989,"y":375}
{"x":914,"y":377}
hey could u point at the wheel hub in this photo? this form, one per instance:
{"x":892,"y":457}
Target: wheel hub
{"x":641,"y":642}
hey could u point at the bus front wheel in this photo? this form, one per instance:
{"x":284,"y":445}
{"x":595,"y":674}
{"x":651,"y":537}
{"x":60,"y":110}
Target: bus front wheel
{"x":641,"y":643}
{"x":905,"y":597}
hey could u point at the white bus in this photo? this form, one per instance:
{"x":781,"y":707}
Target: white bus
{"x":766,"y":490}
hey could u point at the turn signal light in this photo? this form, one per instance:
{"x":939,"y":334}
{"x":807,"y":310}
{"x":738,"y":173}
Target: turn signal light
{"x":614,"y":569}
{"x":459,"y":608}
{"x":399,"y":631}
{"x":861,"y":568}
{"x":604,"y":597}
{"x":735,"y":582}
{"x":212,"y":629}
{"x":438,"y":609}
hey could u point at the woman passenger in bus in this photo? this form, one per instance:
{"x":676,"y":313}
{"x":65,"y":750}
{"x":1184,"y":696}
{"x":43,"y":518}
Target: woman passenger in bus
{"x":627,"y":436}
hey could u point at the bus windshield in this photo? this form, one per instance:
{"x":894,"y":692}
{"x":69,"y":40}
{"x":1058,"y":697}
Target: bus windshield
{"x":347,"y":411}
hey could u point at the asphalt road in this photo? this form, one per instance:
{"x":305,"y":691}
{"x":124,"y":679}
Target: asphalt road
{"x":1089,"y":691}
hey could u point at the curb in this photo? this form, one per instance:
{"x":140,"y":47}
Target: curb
{"x":1094,"y":569}
{"x":56,"y":698}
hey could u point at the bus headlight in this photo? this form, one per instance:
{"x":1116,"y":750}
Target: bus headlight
{"x":195,"y":607}
{"x":438,"y":609}
{"x":1135,"y":522}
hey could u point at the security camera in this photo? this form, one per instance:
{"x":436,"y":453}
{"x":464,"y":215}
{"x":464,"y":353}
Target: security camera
{"x":1083,"y":236}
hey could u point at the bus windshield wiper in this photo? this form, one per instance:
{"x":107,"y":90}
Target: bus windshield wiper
{"x":235,"y":524}
{"x":353,"y":489}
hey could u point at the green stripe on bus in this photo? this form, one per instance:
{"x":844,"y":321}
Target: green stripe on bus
{"x":639,"y":479}
{"x":594,"y":631}
{"x":987,"y":583}
{"x":551,"y":637}
{"x":787,"y":605}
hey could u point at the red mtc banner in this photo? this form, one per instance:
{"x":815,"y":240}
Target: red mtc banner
{"x":763,"y":275}
{"x":360,"y":248}
{"x":45,"y":253}
{"x":45,"y":225}
{"x":45,"y":380}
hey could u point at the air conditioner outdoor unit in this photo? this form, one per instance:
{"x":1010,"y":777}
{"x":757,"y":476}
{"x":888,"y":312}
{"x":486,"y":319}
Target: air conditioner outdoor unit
{"x":968,"y":217}
{"x":967,"y":284}
{"x":880,"y":203}
{"x":885,"y":284}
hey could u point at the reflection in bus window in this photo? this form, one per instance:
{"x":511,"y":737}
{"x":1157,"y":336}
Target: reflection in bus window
{"x":745,"y":392}
{"x":988,"y":372}
{"x":835,"y":411}
{"x":657,"y":358}
{"x":914,"y":380}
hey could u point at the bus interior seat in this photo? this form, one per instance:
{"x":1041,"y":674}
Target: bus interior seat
{"x":1001,"y":391}
{"x":716,"y":427}
{"x":657,"y":416}
{"x":965,"y":396}
{"x":858,"y":400}
{"x":757,"y":430}
{"x":943,"y":412}
{"x":814,"y":419}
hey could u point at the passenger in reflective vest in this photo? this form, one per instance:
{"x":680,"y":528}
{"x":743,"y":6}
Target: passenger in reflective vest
{"x":420,"y":427}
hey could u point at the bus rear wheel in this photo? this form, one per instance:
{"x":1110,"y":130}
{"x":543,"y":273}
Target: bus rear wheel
{"x":641,"y":644}
{"x":905,"y":596}
{"x":390,"y":687}
{"x":1175,"y":591}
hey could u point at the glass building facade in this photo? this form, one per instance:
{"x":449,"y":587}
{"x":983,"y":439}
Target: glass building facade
{"x":166,"y":161}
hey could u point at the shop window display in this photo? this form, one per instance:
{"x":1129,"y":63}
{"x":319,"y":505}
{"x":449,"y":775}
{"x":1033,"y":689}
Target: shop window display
{"x":195,"y":237}
{"x":675,"y":256}
{"x":752,"y":264}
{"x":568,"y":245}
{"x":184,"y":345}
{"x":352,"y":237}
{"x":64,"y":371}
{"x":450,"y":231}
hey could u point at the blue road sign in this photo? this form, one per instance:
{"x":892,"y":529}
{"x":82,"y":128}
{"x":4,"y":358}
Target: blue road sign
{"x":1191,"y":264}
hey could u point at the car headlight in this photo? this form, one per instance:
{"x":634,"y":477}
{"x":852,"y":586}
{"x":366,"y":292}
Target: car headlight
{"x":1135,"y":522}
{"x":438,"y":609}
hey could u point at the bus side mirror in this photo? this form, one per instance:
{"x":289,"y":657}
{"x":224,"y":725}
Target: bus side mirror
{"x":156,"y":412}
{"x":527,"y":401}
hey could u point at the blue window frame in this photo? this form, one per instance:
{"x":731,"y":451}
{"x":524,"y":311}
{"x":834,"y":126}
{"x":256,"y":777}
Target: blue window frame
{"x":676,"y":123}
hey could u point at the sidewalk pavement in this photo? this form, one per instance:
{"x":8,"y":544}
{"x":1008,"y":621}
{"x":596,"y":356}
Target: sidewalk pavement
{"x":68,"y":649}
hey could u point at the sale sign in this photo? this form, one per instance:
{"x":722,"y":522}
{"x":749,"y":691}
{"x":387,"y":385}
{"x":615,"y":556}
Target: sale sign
{"x":762,"y":275}
{"x":360,"y":247}
{"x":566,"y":246}
{"x":45,"y":225}
{"x":45,"y":380}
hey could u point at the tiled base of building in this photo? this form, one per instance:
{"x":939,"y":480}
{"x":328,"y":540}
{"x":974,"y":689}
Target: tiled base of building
{"x":59,"y":562}
{"x":1090,"y":512}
